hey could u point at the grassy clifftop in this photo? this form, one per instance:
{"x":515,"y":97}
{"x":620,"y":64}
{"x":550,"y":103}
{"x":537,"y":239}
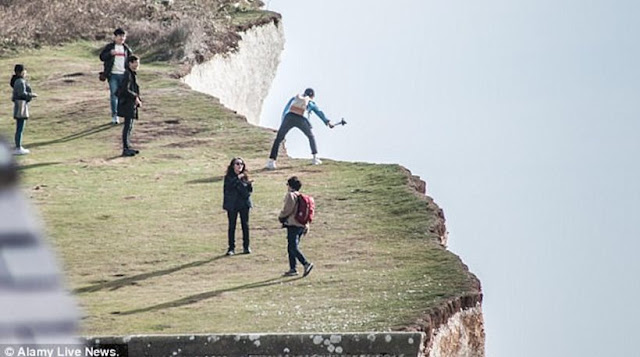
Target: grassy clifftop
{"x":142,"y":239}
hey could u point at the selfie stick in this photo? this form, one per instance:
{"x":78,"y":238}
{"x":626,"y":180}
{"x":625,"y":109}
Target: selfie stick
{"x":341,"y":122}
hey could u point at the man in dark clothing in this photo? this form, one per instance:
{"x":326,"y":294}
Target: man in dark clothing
{"x":128,"y":103}
{"x":115,"y":57}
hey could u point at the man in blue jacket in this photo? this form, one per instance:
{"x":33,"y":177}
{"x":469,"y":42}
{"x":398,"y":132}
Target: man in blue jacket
{"x":293,"y":116}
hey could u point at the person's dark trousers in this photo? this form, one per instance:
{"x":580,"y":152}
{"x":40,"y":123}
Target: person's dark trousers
{"x":294,"y":234}
{"x":126,"y":133}
{"x":244,"y":222}
{"x":19,"y":130}
{"x":290,"y":121}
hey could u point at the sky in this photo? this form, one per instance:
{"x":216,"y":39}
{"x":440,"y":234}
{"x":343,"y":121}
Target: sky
{"x":522,"y":117}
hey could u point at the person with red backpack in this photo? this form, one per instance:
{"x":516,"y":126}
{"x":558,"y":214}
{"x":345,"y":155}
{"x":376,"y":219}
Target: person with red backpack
{"x":293,"y":117}
{"x":296,"y":215}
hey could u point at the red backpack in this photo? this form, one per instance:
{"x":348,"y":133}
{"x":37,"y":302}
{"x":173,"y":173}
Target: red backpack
{"x":305,"y":210}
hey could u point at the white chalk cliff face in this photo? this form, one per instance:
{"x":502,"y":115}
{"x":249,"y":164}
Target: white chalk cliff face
{"x":461,"y":336}
{"x":241,"y":80}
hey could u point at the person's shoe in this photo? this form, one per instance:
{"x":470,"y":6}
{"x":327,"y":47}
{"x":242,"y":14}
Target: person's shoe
{"x":307,"y":269}
{"x":128,"y":152}
{"x":290,"y":273}
{"x":246,"y":251}
{"x":21,"y":151}
{"x":316,"y":161}
{"x":271,"y":165}
{"x":115,"y":120}
{"x":230,"y":252}
{"x":135,"y":151}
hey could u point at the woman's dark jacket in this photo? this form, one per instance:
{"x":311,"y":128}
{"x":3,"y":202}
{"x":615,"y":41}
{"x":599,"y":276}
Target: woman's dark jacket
{"x":21,"y":91}
{"x":127,"y":94}
{"x":108,"y":58}
{"x":237,"y":193}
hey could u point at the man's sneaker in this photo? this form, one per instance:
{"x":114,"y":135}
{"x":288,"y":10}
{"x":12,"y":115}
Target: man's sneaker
{"x":21,"y":151}
{"x":246,"y":251}
{"x":230,"y":252}
{"x":128,"y":152}
{"x":307,"y":269}
{"x":316,"y":161}
{"x":115,"y":120}
{"x":271,"y":165}
{"x":290,"y":273}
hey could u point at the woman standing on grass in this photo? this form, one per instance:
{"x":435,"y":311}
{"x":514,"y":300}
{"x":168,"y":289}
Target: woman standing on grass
{"x":22,"y":95}
{"x":237,"y":200}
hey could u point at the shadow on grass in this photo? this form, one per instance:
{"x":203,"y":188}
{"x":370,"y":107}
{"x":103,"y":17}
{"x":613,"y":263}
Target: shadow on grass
{"x":207,"y":180}
{"x":111,"y":158}
{"x":115,"y":284}
{"x":266,"y":170}
{"x":33,"y":166}
{"x":78,"y":135}
{"x":208,"y":295}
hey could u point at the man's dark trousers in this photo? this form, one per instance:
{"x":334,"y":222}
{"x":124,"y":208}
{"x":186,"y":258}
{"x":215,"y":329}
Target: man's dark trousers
{"x":294,"y":233}
{"x":126,"y":133}
{"x":290,"y":121}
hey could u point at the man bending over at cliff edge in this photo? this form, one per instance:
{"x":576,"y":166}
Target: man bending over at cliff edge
{"x":293,"y":116}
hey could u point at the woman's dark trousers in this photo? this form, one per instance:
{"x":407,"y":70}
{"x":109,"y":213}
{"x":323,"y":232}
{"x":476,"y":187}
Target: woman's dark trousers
{"x":19,"y":130}
{"x":244,"y":222}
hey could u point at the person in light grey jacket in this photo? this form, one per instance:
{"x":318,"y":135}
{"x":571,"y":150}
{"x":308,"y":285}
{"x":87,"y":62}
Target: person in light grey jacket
{"x":22,"y":95}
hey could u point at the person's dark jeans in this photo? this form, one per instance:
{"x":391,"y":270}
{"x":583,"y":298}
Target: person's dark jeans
{"x":290,"y":121}
{"x":293,"y":247}
{"x":244,"y":222}
{"x":114,"y":82}
{"x":19,"y":130}
{"x":126,"y":133}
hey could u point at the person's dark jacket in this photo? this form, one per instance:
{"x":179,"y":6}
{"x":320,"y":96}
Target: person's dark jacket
{"x":127,"y":94}
{"x":107,"y":58}
{"x":21,"y":91}
{"x":237,"y":193}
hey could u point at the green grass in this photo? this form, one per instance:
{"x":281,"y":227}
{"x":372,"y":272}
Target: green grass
{"x":142,"y":239}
